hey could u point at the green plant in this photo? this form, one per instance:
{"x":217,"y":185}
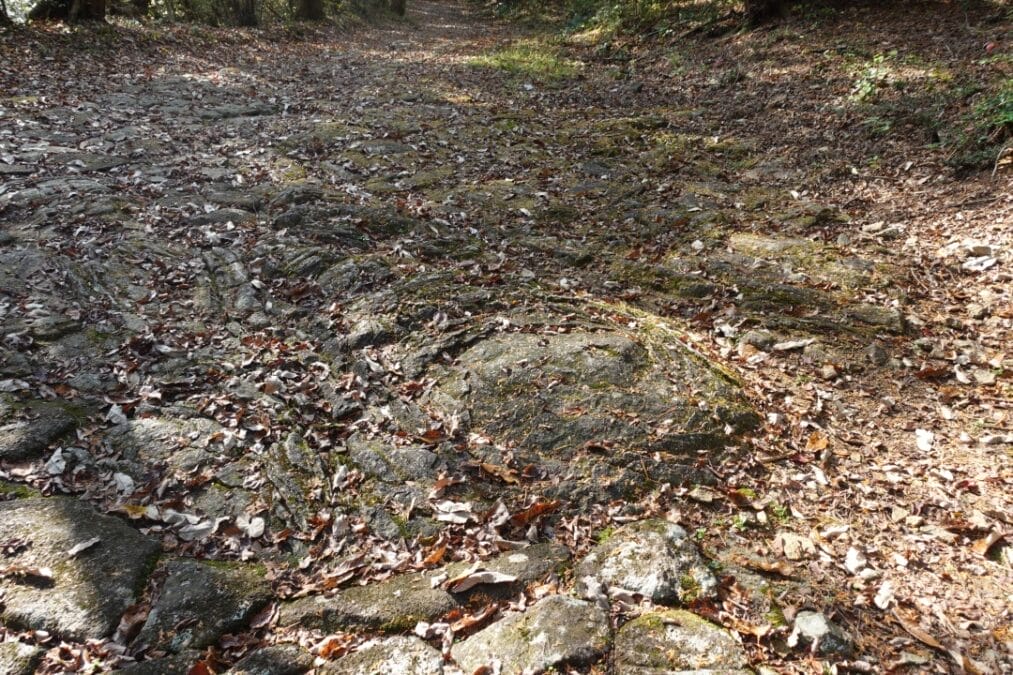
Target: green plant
{"x":605,"y":534}
{"x":530,"y":58}
{"x":986,"y":130}
{"x":878,"y":126}
{"x":872,"y":77}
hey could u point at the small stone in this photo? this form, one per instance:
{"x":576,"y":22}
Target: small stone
{"x":199,"y":603}
{"x":673,"y":641}
{"x":977,"y":250}
{"x":855,"y":561}
{"x":17,"y":658}
{"x":760,"y":339}
{"x":813,"y":631}
{"x":977,"y":311}
{"x":794,"y":546}
{"x":653,"y":558}
{"x":891,"y":232}
{"x":556,"y":630}
{"x":400,"y":655}
{"x":829,"y":372}
{"x":877,"y":354}
{"x":980,"y":263}
{"x":984,"y":377}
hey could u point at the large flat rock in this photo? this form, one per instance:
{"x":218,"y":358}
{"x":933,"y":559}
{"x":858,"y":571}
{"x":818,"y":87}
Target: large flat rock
{"x":274,"y":660}
{"x":557,"y":392}
{"x":173,"y":664}
{"x":400,"y":655}
{"x":29,"y":438}
{"x":401,"y":602}
{"x":653,"y":558}
{"x":587,"y":406}
{"x":556,"y":630}
{"x":199,"y":603}
{"x":673,"y":641}
{"x":88,"y":591}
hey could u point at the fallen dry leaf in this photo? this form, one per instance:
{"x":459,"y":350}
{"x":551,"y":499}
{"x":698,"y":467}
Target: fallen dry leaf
{"x":83,"y":546}
{"x":472,"y":621}
{"x":436,"y":556}
{"x":476,"y":576}
{"x":817,"y":441}
{"x":25,"y":572}
{"x":534,"y":511}
{"x":454,"y":512}
{"x":982,"y":546}
{"x":506,"y":474}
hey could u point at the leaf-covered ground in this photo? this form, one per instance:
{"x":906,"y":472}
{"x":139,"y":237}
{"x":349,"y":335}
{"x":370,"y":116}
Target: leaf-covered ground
{"x":331,"y":308}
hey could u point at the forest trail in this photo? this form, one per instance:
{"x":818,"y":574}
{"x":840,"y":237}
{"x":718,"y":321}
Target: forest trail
{"x":320,"y":320}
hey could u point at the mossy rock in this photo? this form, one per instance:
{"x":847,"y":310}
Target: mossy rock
{"x":397,"y":604}
{"x":43,"y":424}
{"x":88,"y":592}
{"x":502,"y":385}
{"x":17,"y":658}
{"x":672,"y":641}
{"x":403,"y":654}
{"x":652,"y":558}
{"x":200,"y":602}
{"x":555,"y":631}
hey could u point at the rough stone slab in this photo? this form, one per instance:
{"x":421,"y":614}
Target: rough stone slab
{"x":399,"y":603}
{"x":676,"y":641}
{"x":813,"y":631}
{"x":199,"y":603}
{"x":501,"y":380}
{"x":275,"y":660}
{"x":88,"y":592}
{"x":174,"y":664}
{"x":609,"y":389}
{"x":396,"y":604}
{"x":29,"y":439}
{"x":17,"y":658}
{"x":400,"y":655}
{"x":654,"y":558}
{"x":16,"y":169}
{"x":556,"y":630}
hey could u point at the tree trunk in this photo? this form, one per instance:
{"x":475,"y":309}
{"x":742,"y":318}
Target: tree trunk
{"x":760,"y":11}
{"x":244,"y":12}
{"x":310,"y":10}
{"x":398,"y":6}
{"x":5,"y":19}
{"x":70,"y":10}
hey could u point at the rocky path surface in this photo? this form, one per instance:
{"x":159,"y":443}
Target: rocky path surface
{"x":357,"y":356}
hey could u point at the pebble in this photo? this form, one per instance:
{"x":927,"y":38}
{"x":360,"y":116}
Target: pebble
{"x":813,"y":631}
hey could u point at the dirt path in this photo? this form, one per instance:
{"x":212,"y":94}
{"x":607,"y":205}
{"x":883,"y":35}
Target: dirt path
{"x":343,"y":313}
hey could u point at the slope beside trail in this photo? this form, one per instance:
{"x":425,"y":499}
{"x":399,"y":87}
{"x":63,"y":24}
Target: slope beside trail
{"x":431,"y":343}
